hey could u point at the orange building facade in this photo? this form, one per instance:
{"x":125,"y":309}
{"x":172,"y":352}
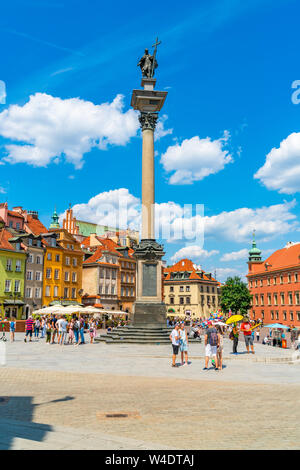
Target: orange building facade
{"x":275,"y":285}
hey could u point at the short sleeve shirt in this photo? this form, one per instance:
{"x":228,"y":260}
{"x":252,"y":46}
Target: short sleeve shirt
{"x":246,"y":328}
{"x":174,"y":334}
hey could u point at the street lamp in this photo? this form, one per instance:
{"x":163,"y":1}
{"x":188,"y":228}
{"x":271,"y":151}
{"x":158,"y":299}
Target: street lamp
{"x":15,"y":295}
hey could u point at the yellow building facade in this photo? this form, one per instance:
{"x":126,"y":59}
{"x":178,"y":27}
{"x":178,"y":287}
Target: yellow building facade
{"x":190,"y":292}
{"x":62,"y":268}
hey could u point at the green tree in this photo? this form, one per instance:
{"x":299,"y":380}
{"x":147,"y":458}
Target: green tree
{"x":235,"y":296}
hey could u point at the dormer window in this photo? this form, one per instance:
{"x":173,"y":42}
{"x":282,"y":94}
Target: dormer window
{"x":30,"y":241}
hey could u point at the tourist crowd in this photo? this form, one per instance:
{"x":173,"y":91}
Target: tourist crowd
{"x":213,"y":339}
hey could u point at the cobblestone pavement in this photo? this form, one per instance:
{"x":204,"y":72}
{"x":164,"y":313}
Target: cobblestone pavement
{"x":57,"y":397}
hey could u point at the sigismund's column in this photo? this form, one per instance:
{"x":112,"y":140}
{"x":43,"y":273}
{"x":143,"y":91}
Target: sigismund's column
{"x":148,"y":123}
{"x":150,"y":311}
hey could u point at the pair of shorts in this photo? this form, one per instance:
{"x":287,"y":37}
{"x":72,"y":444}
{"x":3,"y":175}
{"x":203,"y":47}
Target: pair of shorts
{"x":29,"y":332}
{"x":175,"y":349}
{"x":183,"y":347}
{"x":210,"y":350}
{"x":249,"y":340}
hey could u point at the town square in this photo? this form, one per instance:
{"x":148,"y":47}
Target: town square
{"x":149,"y":230}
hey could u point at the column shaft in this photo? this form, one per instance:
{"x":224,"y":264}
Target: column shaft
{"x":148,"y":228}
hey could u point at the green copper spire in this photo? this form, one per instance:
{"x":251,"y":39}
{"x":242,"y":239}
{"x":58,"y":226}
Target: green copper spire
{"x":54,"y":220}
{"x":254,"y":253}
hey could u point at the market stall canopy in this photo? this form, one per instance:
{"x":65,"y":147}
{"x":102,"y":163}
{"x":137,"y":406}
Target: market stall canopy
{"x":277,"y":325}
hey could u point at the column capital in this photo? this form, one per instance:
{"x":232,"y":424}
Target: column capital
{"x":148,"y":120}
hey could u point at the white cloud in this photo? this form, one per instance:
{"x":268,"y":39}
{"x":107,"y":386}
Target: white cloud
{"x":195,"y":158}
{"x":160,"y":130}
{"x":281,"y":171}
{"x":115,"y":208}
{"x":237,"y":225}
{"x":121,"y":209}
{"x":2,"y":190}
{"x":2,"y":92}
{"x":235,"y":255}
{"x":46,"y":128}
{"x":223,"y":273}
{"x":194,"y":253}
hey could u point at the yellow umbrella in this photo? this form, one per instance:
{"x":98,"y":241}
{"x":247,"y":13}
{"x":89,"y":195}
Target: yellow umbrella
{"x":234,"y":319}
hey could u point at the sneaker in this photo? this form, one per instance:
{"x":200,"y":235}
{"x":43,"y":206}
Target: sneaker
{"x":205,"y":368}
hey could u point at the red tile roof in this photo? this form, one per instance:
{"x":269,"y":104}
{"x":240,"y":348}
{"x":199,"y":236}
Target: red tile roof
{"x":86,"y":241}
{"x":186,"y":265}
{"x":5,"y":235}
{"x":109,"y":245}
{"x":284,"y":258}
{"x":35,"y":226}
{"x":15,"y":214}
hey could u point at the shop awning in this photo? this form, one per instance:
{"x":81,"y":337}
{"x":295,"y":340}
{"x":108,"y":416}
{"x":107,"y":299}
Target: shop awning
{"x":13,"y":302}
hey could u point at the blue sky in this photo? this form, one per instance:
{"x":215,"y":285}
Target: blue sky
{"x":228,"y":66}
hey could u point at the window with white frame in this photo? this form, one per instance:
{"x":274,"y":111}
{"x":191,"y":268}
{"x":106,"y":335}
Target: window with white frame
{"x":38,"y":276}
{"x":47,"y":291}
{"x":73,"y":293}
{"x":48,"y":273}
{"x":37,"y":293}
{"x":74,"y":260}
{"x":7,"y":285}
{"x":17,"y":285}
{"x":74,"y":277}
{"x":28,"y":292}
{"x":67,"y":276}
{"x":18,"y":265}
{"x":55,"y":291}
{"x":29,"y":275}
{"x":38,"y":259}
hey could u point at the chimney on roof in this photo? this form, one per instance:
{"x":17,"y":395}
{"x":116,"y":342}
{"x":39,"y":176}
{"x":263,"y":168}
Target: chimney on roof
{"x":94,"y":240}
{"x":34,"y":214}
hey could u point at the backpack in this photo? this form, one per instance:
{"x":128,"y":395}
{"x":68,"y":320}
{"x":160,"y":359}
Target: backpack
{"x":213,"y":338}
{"x":75,"y":327}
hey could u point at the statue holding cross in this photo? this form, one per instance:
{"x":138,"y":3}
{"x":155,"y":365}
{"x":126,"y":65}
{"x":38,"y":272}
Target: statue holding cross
{"x":148,"y":62}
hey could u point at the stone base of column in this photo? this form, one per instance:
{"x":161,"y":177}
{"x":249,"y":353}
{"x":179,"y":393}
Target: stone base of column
{"x":150,"y":315}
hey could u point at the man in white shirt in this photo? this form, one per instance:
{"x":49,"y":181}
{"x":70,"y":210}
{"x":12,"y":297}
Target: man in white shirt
{"x":59,"y":327}
{"x":174,"y":337}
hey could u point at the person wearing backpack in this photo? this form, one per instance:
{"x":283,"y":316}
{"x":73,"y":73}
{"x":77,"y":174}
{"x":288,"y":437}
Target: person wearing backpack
{"x":211,"y":341}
